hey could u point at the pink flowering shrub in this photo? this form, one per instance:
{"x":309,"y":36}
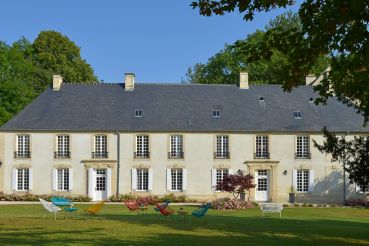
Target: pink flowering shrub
{"x":357,"y":203}
{"x":233,"y":204}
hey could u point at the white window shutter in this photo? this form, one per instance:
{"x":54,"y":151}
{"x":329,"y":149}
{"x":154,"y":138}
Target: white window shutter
{"x":14,"y":179}
{"x":108,"y":182}
{"x":184,"y":179}
{"x":357,"y":188}
{"x":54,"y":178}
{"x":169,"y":179}
{"x":134,"y":179}
{"x":91,"y":183}
{"x":294,"y":179}
{"x":70,"y":170}
{"x":30,"y":178}
{"x":150,"y":178}
{"x":213,"y":179}
{"x":311,"y":180}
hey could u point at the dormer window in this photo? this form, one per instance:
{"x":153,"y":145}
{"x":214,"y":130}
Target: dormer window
{"x":216,"y":113}
{"x":297,"y":115}
{"x":138,"y":112}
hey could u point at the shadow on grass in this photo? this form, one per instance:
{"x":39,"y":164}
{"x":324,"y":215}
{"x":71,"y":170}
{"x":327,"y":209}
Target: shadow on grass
{"x":123,"y":229}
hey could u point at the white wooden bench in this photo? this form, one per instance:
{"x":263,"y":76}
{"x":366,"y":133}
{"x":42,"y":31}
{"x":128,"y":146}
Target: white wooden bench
{"x":271,"y":208}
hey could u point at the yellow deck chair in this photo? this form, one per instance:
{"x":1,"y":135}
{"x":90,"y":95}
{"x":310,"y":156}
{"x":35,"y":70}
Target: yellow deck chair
{"x":95,"y":209}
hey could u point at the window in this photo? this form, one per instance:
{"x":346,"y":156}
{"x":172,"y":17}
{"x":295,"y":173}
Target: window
{"x":262,"y":180}
{"x":138,"y":112}
{"x":222,"y":151}
{"x":302,"y":181}
{"x":177,"y":179}
{"x":297,"y":115}
{"x":62,"y":147}
{"x":143,"y":179}
{"x":262,"y":147}
{"x":101,"y":179}
{"x":22,"y":148}
{"x":23,"y":179}
{"x":142,"y":146}
{"x":220,"y":175}
{"x":215,"y":113}
{"x":63,"y":179}
{"x":176,"y":146}
{"x":100,"y":149}
{"x":303,"y":149}
{"x":361,"y":189}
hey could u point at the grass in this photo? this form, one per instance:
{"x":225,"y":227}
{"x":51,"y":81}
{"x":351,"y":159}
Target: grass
{"x":23,"y":224}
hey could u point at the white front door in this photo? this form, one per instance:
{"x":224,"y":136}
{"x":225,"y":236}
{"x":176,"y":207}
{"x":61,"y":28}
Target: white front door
{"x":262,"y":185}
{"x":100,"y":184}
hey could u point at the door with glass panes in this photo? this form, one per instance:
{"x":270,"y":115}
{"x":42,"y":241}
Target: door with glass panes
{"x":262,"y":185}
{"x":100,"y":184}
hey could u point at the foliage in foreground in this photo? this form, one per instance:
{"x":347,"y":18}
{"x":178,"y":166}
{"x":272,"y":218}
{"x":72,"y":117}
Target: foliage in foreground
{"x":224,"y":67}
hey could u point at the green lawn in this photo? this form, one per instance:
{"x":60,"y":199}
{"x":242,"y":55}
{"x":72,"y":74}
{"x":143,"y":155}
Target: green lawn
{"x":23,"y":224}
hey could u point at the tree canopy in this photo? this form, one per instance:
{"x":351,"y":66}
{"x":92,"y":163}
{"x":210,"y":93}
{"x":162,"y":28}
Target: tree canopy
{"x":26,"y":69}
{"x":224,"y":67}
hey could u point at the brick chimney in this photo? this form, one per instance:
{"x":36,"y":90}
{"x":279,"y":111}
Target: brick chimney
{"x":57,"y":81}
{"x":129,"y":81}
{"x":244,"y":80}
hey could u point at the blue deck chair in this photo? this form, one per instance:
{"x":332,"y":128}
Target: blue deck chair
{"x":200,"y":212}
{"x":60,"y":201}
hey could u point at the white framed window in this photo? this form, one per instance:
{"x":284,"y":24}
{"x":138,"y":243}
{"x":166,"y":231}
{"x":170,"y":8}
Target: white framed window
{"x":303,"y":180}
{"x":262,"y":147}
{"x":215,"y":113}
{"x":23,"y":147}
{"x":142,"y":146}
{"x":63,"y":179}
{"x":22,"y":179}
{"x":302,"y":147}
{"x":176,"y":146}
{"x":177,"y":179}
{"x":220,"y":174}
{"x":100,"y":146}
{"x":222,"y":147}
{"x":62,"y":146}
{"x":143,"y":179}
{"x":138,"y":112}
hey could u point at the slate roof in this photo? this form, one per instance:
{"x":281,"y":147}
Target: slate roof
{"x":177,"y":107}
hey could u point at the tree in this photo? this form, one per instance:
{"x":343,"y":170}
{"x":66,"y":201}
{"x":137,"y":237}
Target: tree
{"x":224,"y":67}
{"x":236,"y":184}
{"x":57,"y":53}
{"x":335,"y":27}
{"x":353,"y":153}
{"x":26,"y":69}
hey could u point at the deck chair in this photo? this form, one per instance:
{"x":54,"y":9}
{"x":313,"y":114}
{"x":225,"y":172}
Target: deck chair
{"x":200,"y":212}
{"x":95,"y":209}
{"x":133,"y":206}
{"x":60,"y":201}
{"x":49,"y":207}
{"x":166,"y":212}
{"x":160,"y":206}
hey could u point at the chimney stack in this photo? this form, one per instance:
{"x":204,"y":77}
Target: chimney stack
{"x":244,"y":80}
{"x":57,"y":81}
{"x":309,"y":79}
{"x":129,"y":81}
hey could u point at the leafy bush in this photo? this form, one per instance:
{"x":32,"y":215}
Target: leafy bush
{"x":357,"y":203}
{"x":31,"y":197}
{"x":149,"y":199}
{"x":228,"y":203}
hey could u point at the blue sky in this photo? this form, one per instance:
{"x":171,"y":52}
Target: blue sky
{"x":157,"y":40}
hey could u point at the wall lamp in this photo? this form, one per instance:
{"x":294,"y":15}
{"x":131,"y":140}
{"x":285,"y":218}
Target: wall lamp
{"x":285,"y":172}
